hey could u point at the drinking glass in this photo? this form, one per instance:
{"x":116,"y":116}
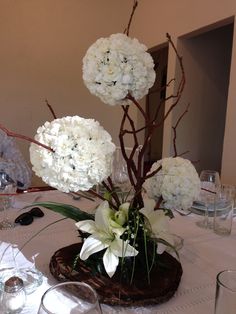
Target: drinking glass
{"x":210,"y":183}
{"x":230,"y":189}
{"x":7,"y":190}
{"x":223,"y":214}
{"x":120,"y":176}
{"x":70,"y":298}
{"x":225,"y":299}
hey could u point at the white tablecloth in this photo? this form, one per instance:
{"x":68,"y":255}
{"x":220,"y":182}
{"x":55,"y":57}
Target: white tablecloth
{"x":203,"y":255}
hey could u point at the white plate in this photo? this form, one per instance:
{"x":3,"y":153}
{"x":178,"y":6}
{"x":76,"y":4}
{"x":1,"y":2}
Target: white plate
{"x":199,"y":207}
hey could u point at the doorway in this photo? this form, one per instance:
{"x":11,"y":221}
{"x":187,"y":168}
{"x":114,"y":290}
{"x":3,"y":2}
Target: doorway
{"x":207,"y":61}
{"x":155,"y":99}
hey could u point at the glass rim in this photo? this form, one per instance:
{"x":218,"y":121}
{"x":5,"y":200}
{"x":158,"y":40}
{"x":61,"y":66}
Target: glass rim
{"x":223,"y":284}
{"x":209,"y":170}
{"x":61,"y":284}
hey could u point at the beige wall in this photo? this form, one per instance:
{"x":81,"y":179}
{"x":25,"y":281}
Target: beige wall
{"x":43,"y":43}
{"x":155,"y":18}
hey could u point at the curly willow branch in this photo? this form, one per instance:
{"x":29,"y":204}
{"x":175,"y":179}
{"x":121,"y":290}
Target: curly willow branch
{"x":23,"y":137}
{"x":136,"y":174}
{"x":126,"y":31}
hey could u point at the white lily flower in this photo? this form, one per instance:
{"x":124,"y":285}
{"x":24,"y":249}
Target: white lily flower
{"x":105,"y":234}
{"x":159,"y":223}
{"x":121,"y":216}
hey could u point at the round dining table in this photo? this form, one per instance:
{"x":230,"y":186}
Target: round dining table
{"x":202,"y":255}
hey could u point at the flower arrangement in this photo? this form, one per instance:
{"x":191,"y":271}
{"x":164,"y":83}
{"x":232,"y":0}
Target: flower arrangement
{"x":116,"y":66}
{"x":177,"y":183}
{"x":81,"y":157}
{"x":76,"y":154}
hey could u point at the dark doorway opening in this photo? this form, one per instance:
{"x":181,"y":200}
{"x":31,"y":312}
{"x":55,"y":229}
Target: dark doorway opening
{"x":207,"y":60}
{"x":154,"y":100}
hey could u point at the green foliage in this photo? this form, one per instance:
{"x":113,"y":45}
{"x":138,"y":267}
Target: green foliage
{"x":65,"y":210}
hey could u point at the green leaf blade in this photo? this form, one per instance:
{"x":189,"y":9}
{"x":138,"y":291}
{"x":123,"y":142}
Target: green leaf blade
{"x":65,"y":210}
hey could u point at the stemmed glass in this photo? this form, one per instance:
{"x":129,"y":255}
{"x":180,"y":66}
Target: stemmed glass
{"x":210,"y":184}
{"x":7,"y":190}
{"x":70,"y":297}
{"x":120,"y":176}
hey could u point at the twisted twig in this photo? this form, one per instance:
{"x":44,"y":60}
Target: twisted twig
{"x":26,"y":138}
{"x":51,"y":109}
{"x":126,"y":31}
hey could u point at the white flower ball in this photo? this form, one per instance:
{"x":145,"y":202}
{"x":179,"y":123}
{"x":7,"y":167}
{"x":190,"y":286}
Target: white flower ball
{"x":82,"y":157}
{"x":177,"y":182}
{"x":116,"y":66}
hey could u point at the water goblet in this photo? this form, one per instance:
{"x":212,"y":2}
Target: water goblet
{"x":231,"y":191}
{"x":70,"y":297}
{"x":120,"y":174}
{"x":210,"y":184}
{"x":223,"y":214}
{"x":225,"y":299}
{"x":7,"y":190}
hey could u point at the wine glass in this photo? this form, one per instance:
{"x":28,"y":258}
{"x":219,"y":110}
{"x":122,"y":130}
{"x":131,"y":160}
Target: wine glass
{"x":231,"y":191}
{"x":70,"y":297}
{"x":120,"y":175}
{"x":210,"y":184}
{"x":7,"y":190}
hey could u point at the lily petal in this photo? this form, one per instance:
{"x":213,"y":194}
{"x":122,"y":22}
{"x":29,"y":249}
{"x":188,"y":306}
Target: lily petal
{"x":125,"y":207}
{"x":122,"y":248}
{"x":158,"y":220}
{"x":102,"y":215}
{"x":86,"y":226}
{"x":149,"y":205}
{"x":168,"y":237}
{"x":90,"y":246}
{"x":110,"y":262}
{"x":116,"y":228}
{"x":161,"y":248}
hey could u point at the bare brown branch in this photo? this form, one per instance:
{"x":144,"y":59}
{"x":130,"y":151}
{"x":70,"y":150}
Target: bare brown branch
{"x":174,"y":128}
{"x":26,"y":138}
{"x":150,"y":125}
{"x":184,"y":153}
{"x":130,"y":97}
{"x":132,"y":170}
{"x":51,"y":109}
{"x":126,"y":31}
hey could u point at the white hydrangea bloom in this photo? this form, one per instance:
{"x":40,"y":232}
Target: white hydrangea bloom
{"x":116,"y":66}
{"x":82,"y":157}
{"x":177,"y":182}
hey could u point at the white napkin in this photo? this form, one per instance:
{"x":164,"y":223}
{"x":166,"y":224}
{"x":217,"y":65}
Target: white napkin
{"x":12,"y":257}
